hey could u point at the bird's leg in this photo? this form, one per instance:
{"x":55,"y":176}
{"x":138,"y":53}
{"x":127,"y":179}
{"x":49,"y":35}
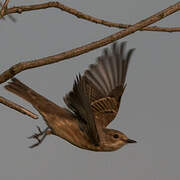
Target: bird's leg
{"x":40,"y":136}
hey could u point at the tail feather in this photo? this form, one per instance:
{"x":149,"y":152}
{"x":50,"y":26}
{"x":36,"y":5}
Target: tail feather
{"x":20,"y":89}
{"x":23,"y":91}
{"x":42,"y":104}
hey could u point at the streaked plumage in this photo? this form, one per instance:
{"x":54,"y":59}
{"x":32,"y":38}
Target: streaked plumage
{"x":93,"y":102}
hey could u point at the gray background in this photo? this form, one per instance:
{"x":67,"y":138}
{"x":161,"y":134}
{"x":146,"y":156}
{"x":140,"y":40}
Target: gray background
{"x":150,"y":110}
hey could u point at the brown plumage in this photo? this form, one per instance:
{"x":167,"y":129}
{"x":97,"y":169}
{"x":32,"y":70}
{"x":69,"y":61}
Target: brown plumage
{"x":94,"y":102}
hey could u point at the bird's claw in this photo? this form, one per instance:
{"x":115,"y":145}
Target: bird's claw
{"x":40,"y":136}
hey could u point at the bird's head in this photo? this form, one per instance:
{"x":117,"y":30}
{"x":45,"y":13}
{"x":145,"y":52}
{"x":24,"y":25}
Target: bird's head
{"x":115,"y":139}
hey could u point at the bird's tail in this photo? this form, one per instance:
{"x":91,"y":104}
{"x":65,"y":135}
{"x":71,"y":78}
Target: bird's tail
{"x":39,"y":102}
{"x":21,"y":90}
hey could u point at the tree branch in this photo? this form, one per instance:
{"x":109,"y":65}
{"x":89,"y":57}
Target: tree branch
{"x":88,"y":47}
{"x":3,"y":9}
{"x":17,"y":107}
{"x":81,"y":15}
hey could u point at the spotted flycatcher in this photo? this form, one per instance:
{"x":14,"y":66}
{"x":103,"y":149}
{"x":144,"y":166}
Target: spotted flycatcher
{"x":93,"y":103}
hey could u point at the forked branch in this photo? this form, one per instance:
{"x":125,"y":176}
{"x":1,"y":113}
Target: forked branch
{"x":88,"y":47}
{"x":4,"y":7}
{"x":78,"y":14}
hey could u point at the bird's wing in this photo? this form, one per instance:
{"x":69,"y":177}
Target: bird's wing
{"x":78,"y":101}
{"x":106,"y":82}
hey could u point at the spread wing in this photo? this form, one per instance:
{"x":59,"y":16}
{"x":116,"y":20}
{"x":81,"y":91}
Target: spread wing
{"x":106,"y":82}
{"x":78,"y":101}
{"x":96,"y":95}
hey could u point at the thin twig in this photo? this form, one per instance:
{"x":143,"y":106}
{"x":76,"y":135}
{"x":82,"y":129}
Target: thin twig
{"x":4,"y":7}
{"x":78,"y":14}
{"x":17,"y":107}
{"x":15,"y":69}
{"x":2,"y":12}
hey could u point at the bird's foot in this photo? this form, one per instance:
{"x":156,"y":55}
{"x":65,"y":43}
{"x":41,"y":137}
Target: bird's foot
{"x":40,"y":136}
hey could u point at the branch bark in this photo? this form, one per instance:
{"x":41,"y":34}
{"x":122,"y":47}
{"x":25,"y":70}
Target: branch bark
{"x":3,"y":9}
{"x":17,"y":107}
{"x":78,"y":14}
{"x":88,"y":47}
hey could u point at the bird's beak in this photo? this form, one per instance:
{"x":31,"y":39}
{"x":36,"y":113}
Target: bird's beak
{"x":130,"y":141}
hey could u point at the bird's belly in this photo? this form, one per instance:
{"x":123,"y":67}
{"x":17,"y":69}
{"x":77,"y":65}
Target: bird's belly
{"x":69,"y":130}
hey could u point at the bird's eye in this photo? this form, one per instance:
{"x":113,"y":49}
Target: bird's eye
{"x":115,"y":136}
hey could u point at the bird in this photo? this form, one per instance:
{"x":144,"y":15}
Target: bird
{"x":92,"y":104}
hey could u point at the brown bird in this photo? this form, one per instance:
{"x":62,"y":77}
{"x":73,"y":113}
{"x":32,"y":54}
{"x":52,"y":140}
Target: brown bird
{"x":93,"y":103}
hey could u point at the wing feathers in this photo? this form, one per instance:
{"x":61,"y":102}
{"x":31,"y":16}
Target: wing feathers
{"x":101,"y":87}
{"x":108,"y":76}
{"x":78,"y":101}
{"x":105,"y":105}
{"x":110,"y":71}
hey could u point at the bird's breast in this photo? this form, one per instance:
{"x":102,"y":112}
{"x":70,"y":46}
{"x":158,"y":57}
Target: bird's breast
{"x":66,"y":126}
